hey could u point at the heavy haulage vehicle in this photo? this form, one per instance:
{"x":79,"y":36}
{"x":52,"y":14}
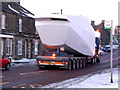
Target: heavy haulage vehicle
{"x":70,"y":39}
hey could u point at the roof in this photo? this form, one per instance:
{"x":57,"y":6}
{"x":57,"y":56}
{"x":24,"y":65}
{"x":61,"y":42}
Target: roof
{"x":16,"y":8}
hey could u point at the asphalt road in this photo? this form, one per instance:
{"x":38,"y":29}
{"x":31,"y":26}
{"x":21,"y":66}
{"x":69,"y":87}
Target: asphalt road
{"x":30,"y":76}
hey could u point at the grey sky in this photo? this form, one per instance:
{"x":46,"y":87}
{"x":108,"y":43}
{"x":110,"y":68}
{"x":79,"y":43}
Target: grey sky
{"x":94,"y":9}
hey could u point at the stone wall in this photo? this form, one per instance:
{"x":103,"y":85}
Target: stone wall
{"x":28,"y":34}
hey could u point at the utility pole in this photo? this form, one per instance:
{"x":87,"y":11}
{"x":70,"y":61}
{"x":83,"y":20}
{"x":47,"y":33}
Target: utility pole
{"x":111,"y":56}
{"x":61,"y":11}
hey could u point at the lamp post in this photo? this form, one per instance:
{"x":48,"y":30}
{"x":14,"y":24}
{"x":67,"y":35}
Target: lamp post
{"x":61,"y":11}
{"x":111,"y":56}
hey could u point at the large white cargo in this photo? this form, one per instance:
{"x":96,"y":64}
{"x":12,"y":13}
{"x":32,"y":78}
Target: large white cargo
{"x":74,"y":33}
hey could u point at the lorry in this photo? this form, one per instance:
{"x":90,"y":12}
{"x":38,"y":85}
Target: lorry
{"x":71,"y":41}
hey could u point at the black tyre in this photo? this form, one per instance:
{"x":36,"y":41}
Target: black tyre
{"x":95,"y":59}
{"x":74,"y":65}
{"x":39,"y":67}
{"x":80,"y":63}
{"x":98,"y":59}
{"x":69,"y":65}
{"x":83,"y":63}
{"x":7,"y":66}
{"x":92,"y":61}
{"x":77,"y":64}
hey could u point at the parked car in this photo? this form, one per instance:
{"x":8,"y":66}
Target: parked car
{"x":106,"y":48}
{"x":5,"y":63}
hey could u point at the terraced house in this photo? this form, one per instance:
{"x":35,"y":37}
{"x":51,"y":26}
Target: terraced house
{"x":19,"y":38}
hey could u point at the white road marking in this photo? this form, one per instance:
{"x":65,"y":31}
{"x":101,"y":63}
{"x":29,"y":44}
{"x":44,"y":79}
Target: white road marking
{"x":105,"y":61}
{"x":32,"y":72}
{"x":32,"y":86}
{"x":115,"y":53}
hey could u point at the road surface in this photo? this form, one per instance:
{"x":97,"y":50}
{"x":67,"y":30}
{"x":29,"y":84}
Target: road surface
{"x":29,"y":76}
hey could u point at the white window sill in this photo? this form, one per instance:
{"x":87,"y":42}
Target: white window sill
{"x":3,"y":28}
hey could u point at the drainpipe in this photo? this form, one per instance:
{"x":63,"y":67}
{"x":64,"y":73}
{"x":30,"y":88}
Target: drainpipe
{"x":61,"y":11}
{"x":16,"y":38}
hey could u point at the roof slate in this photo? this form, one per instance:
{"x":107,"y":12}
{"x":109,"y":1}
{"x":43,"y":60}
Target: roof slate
{"x":16,"y":8}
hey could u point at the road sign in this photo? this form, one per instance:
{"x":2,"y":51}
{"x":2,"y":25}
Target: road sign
{"x":107,"y":25}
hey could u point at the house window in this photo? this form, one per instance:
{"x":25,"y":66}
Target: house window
{"x":36,"y":47}
{"x":3,"y":22}
{"x":20,"y":47}
{"x":9,"y":46}
{"x":2,"y":47}
{"x":20,"y":25}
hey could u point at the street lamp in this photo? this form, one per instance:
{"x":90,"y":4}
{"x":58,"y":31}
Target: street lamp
{"x":111,"y":56}
{"x":109,"y":25}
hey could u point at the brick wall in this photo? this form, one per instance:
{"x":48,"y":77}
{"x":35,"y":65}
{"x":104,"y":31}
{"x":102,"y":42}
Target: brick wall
{"x":10,"y":25}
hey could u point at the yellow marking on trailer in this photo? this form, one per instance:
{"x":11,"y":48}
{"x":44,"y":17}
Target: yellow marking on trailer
{"x":58,"y":62}
{"x":4,"y":83}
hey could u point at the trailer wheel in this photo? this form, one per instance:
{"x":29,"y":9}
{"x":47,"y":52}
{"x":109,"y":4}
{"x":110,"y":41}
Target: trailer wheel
{"x":87,"y":60}
{"x":92,"y":61}
{"x":95,"y":59}
{"x":80,"y":63}
{"x":39,"y":68}
{"x":98,"y":59}
{"x":77,"y":65}
{"x":69,"y":65}
{"x":83,"y":63}
{"x":73,"y":64}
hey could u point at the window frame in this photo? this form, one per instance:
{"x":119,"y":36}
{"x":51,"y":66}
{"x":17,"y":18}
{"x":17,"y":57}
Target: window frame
{"x":20,"y":25}
{"x":9,"y":46}
{"x":36,"y":47}
{"x":2,"y":44}
{"x":3,"y":21}
{"x":20,"y":46}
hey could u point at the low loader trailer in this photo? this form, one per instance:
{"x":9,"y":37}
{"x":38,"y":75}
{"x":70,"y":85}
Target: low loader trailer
{"x":72,"y":40}
{"x":68,"y":61}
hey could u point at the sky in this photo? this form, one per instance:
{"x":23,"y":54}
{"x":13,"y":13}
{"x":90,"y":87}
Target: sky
{"x":96,"y":10}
